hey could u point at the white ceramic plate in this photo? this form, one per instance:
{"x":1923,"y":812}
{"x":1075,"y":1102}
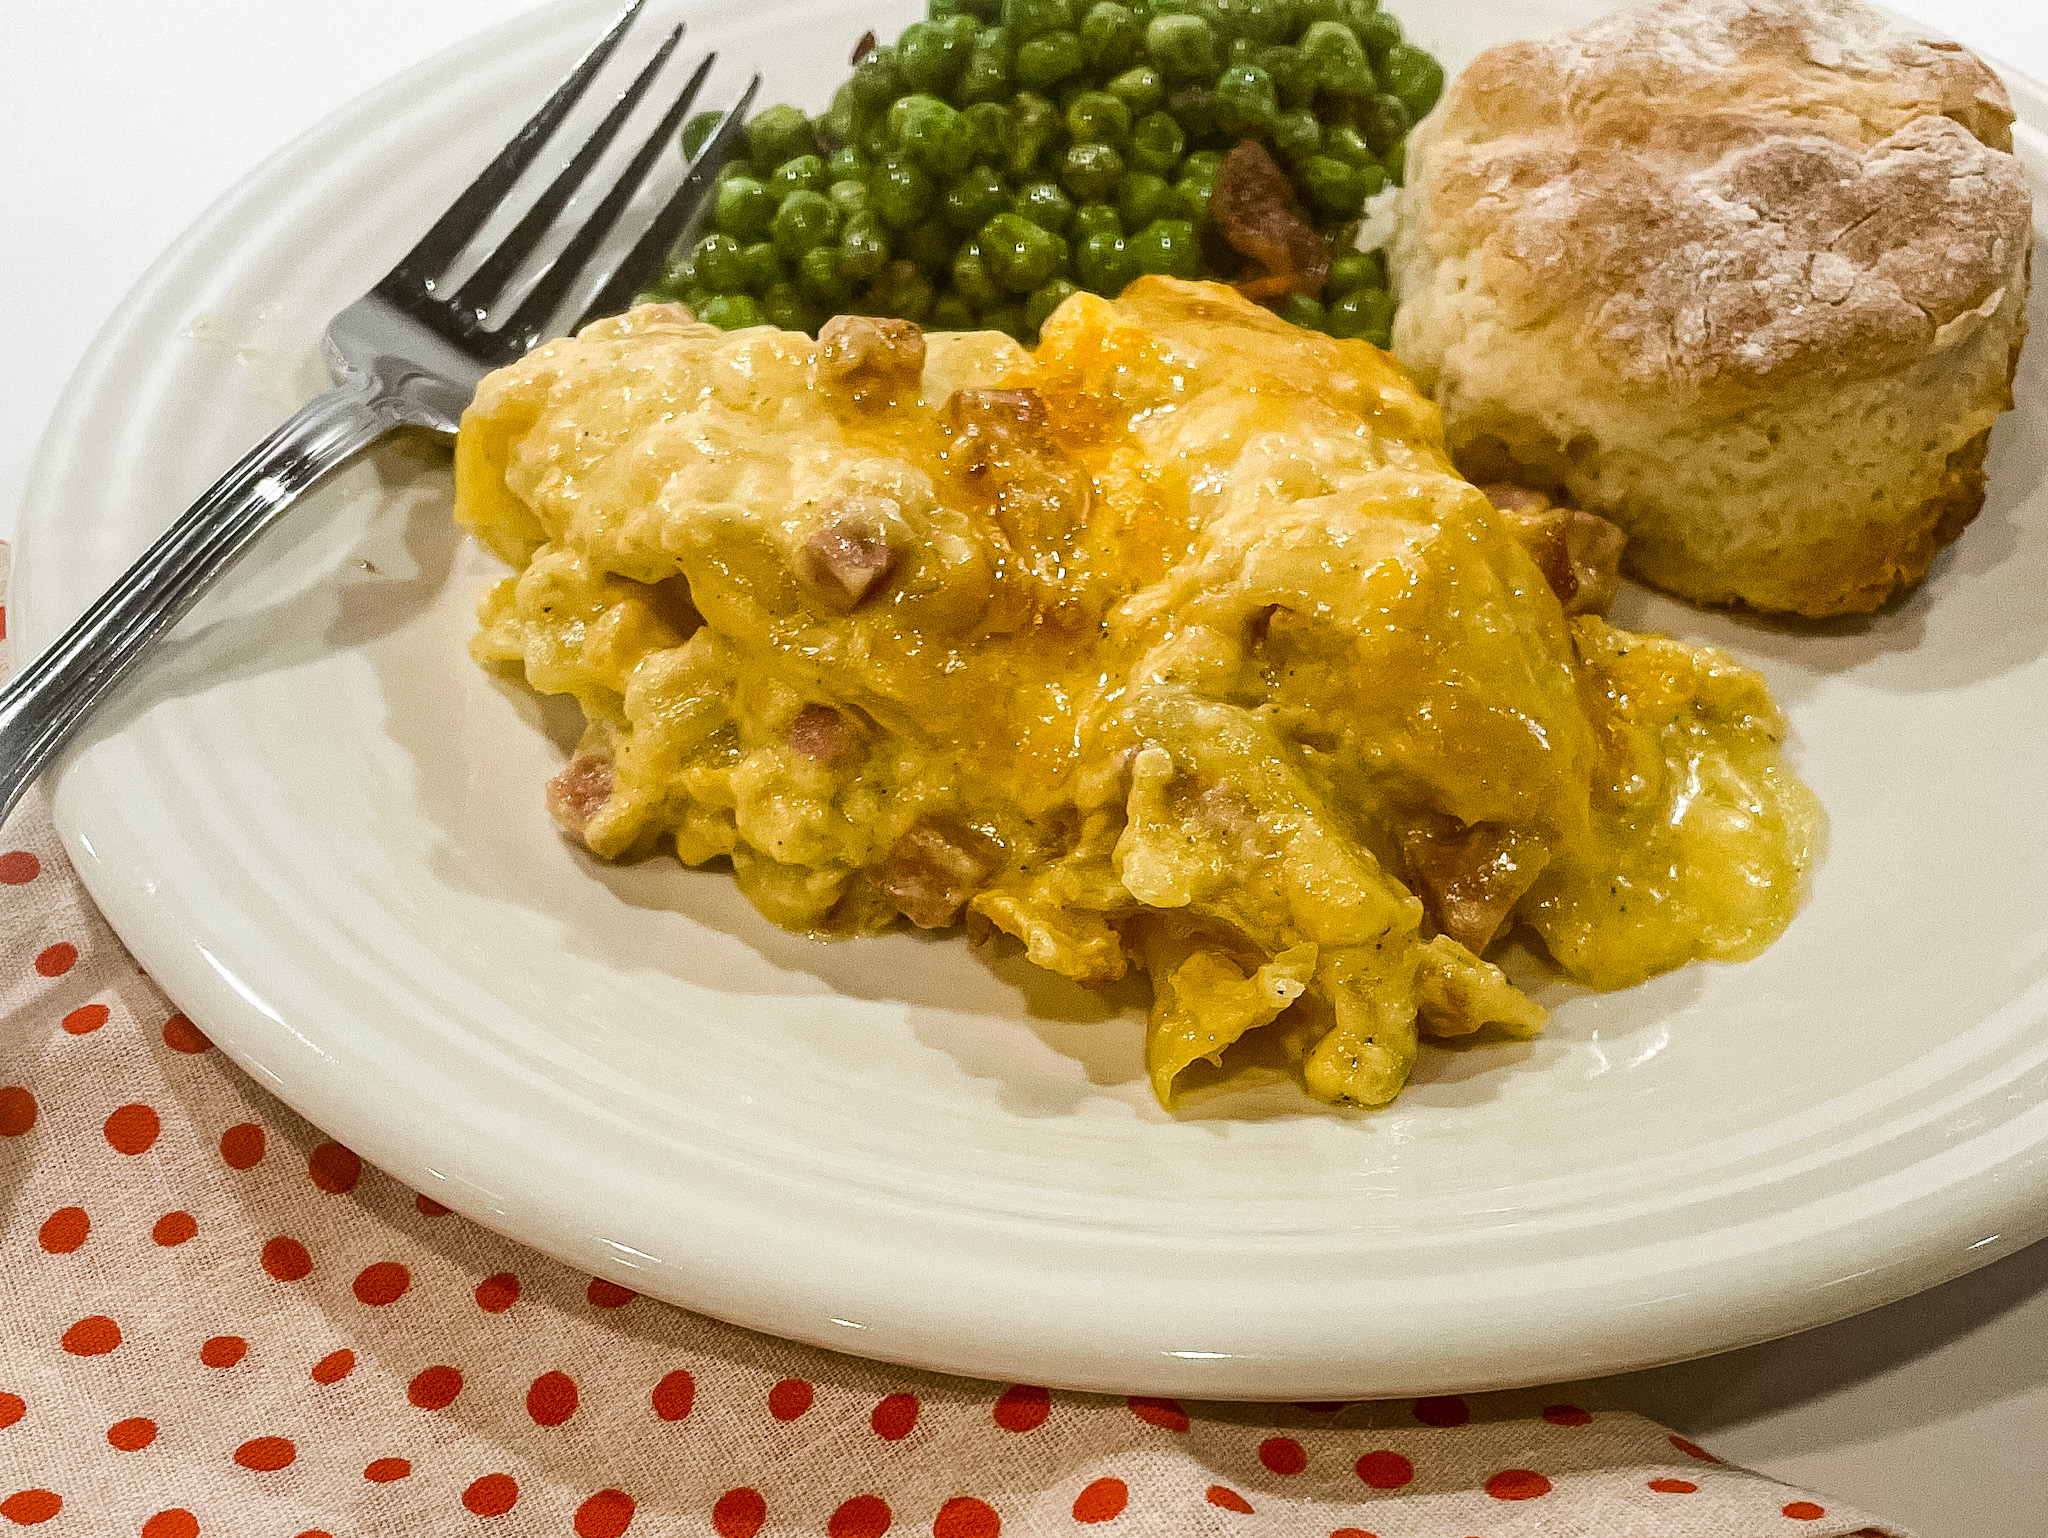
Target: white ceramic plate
{"x":321,"y":829}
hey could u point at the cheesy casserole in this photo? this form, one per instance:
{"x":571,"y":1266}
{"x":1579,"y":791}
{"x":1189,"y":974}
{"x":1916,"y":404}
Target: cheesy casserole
{"x":1177,"y":644}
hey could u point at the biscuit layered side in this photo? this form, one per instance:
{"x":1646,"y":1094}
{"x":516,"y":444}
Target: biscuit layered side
{"x":1747,"y":277}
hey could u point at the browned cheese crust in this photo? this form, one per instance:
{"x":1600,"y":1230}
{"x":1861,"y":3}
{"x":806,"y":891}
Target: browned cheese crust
{"x":1747,"y":277}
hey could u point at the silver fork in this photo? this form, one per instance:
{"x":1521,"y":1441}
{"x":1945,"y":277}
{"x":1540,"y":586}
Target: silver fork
{"x":403,"y":355}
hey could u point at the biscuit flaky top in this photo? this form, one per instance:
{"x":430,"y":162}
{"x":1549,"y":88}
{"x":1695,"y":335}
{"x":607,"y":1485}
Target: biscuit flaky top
{"x":1726,"y":195}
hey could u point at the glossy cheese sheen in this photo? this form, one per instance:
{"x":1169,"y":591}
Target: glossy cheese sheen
{"x":1198,"y":657}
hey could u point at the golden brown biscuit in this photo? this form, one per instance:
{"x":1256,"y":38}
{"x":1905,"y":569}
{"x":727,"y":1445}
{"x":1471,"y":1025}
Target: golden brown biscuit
{"x":1747,"y":277}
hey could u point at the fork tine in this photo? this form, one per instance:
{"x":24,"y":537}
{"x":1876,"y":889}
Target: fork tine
{"x":667,"y":227}
{"x":529,"y":321}
{"x":484,"y":284}
{"x":455,"y":228}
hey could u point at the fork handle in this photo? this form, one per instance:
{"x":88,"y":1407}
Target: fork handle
{"x":50,"y":699}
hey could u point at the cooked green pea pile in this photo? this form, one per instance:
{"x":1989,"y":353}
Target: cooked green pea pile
{"x":1005,"y":153}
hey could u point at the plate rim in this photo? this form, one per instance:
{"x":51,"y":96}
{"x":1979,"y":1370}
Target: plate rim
{"x":180,"y":975}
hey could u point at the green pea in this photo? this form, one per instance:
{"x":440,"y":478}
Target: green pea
{"x":785,"y":307}
{"x":1103,"y":264}
{"x":731,"y":312}
{"x":931,"y":134}
{"x":952,"y":313}
{"x":974,"y":199}
{"x":763,"y":268}
{"x":971,"y":279}
{"x":876,"y":81}
{"x":1167,"y":246}
{"x":699,"y":129}
{"x":1413,"y":76}
{"x":984,"y":11}
{"x":1019,"y":255}
{"x":805,"y":173}
{"x":1111,"y":38}
{"x":1142,"y":198}
{"x":1386,"y":122}
{"x":899,"y":194}
{"x":1294,"y":78}
{"x":902,"y":291}
{"x":823,"y":278}
{"x":1182,"y":47}
{"x":1034,"y":125}
{"x":1303,"y":311}
{"x":1044,"y":299}
{"x":1197,"y":182}
{"x":743,"y":209}
{"x":806,"y":219}
{"x":1048,"y":59}
{"x":1046,"y":206}
{"x":942,"y":53}
{"x":778,"y":134}
{"x":1096,"y":117}
{"x":1097,"y":219}
{"x":1371,"y":179}
{"x":1380,"y":33}
{"x":1242,"y":50}
{"x":863,"y":247}
{"x":679,"y":272}
{"x":1366,"y":313}
{"x":1157,"y":143}
{"x":720,"y":267}
{"x":1259,"y":21}
{"x":1331,"y":186}
{"x":1355,"y":270}
{"x":1348,"y":145}
{"x":847,"y":164}
{"x":1333,"y":51}
{"x":1008,"y":319}
{"x":1396,"y":160}
{"x":1246,"y":101}
{"x":1194,"y":108}
{"x":874,"y":139}
{"x":850,"y":196}
{"x":1029,"y":18}
{"x":1296,"y":136}
{"x":987,"y":75}
{"x":1091,"y":171}
{"x":735,"y":167}
{"x":1140,"y":89}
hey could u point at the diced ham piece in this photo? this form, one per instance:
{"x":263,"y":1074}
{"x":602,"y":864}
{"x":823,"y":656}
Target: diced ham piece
{"x":869,"y":357}
{"x":935,"y":867}
{"x":1578,"y":552}
{"x":825,"y":735}
{"x":1253,"y":208}
{"x":845,"y":560}
{"x":1470,"y":880}
{"x":579,"y":792}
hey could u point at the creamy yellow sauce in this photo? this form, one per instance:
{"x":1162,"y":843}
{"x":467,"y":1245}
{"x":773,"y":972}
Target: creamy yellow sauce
{"x":1189,"y":651}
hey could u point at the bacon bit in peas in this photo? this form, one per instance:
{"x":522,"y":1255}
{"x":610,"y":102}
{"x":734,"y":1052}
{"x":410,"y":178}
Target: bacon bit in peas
{"x":1253,"y":208}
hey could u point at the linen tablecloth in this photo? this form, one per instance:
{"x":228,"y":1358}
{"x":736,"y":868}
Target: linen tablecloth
{"x":215,"y":1320}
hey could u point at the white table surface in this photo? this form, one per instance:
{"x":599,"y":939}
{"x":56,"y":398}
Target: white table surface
{"x":123,"y":119}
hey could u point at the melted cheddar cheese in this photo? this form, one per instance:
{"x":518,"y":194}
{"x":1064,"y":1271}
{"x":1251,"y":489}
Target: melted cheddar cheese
{"x":1178,"y":644}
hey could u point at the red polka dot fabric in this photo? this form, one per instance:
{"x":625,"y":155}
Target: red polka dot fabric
{"x":217,"y":1321}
